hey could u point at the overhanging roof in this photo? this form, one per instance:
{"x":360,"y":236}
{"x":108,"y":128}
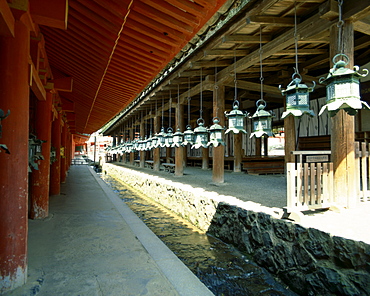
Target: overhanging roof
{"x":112,"y":49}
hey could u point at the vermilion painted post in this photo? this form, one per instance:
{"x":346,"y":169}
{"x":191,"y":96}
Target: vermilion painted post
{"x":55,"y":166}
{"x":39,"y":189}
{"x":14,"y":96}
{"x":63,"y":158}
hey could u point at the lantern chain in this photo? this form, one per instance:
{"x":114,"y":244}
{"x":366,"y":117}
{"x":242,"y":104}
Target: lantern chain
{"x":340,"y":28}
{"x":162,"y":110}
{"x":201,"y":93}
{"x":169,"y":111}
{"x":189,"y":99}
{"x":296,"y":70}
{"x":260,"y":52}
{"x":178,"y":106}
{"x":216,"y":88}
{"x":235,"y":81}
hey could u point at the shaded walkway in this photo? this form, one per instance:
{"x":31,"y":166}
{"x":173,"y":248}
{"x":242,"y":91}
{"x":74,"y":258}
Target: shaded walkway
{"x":93,"y":244}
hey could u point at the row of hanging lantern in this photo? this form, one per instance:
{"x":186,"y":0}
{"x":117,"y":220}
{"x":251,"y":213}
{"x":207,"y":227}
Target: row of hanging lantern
{"x":342,"y":84}
{"x":343,"y":92}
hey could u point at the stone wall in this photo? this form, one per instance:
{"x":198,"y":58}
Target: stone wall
{"x":309,"y":261}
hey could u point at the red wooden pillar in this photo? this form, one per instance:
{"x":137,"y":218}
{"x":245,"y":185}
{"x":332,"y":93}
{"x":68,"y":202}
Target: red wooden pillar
{"x":218,"y":168}
{"x":14,"y":96}
{"x":68,"y":150}
{"x":63,"y":144}
{"x":39,"y":189}
{"x":55,"y":166}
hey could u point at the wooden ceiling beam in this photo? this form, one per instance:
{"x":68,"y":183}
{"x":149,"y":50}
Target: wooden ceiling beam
{"x":271,"y":20}
{"x":362,"y":26}
{"x":306,"y":29}
{"x":189,"y":6}
{"x":226,"y":53}
{"x":253,"y":86}
{"x":158,"y":26}
{"x":244,"y":38}
{"x":160,"y":16}
{"x":222,"y":63}
{"x":301,"y":52}
{"x":173,"y":11}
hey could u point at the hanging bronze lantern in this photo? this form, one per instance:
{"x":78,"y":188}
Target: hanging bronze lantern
{"x":261,"y":121}
{"x":201,"y":135}
{"x":188,"y":136}
{"x":148,"y":145}
{"x":236,"y":119}
{"x":140,"y":144}
{"x":297,"y":97}
{"x":216,"y":134}
{"x":343,"y":88}
{"x":154,"y":142}
{"x":168,"y":138}
{"x":161,"y":140}
{"x":178,"y":139}
{"x":129,"y":147}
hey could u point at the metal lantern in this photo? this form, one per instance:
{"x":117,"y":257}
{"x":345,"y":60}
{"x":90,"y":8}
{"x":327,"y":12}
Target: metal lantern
{"x":261,"y":121}
{"x":154,"y":142}
{"x":297,"y":97}
{"x":129,"y":147}
{"x":135,"y":145}
{"x":188,"y":136}
{"x":145,"y":144}
{"x":161,"y":138}
{"x":216,"y":134}
{"x":168,"y":138}
{"x":201,"y":135}
{"x":149,"y":141}
{"x":343,"y":88}
{"x":140,"y":144}
{"x":236,"y":119}
{"x":178,"y":138}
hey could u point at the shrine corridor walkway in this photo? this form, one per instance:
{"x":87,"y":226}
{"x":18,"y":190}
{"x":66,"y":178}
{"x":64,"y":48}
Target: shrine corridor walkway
{"x":93,"y":244}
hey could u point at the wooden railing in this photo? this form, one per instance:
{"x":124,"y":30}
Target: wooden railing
{"x":362,"y":168}
{"x":310,"y":183}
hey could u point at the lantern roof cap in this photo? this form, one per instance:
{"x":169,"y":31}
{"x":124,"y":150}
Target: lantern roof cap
{"x":178,"y":132}
{"x":235,"y":111}
{"x":339,"y":69}
{"x":296,"y":84}
{"x":200,"y":128}
{"x":215,"y":125}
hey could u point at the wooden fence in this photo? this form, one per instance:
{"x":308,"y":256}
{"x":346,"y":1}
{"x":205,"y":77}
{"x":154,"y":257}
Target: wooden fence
{"x":309,"y":185}
{"x":362,"y":168}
